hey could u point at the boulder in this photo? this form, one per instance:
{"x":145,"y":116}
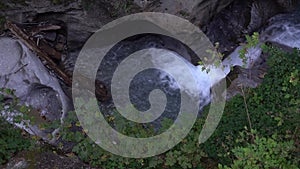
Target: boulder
{"x":22,"y":71}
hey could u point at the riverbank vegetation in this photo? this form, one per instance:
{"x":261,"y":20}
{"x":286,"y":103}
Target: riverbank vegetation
{"x":259,"y":129}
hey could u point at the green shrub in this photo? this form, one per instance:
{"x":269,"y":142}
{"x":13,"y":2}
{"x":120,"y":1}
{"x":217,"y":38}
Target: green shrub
{"x":273,"y":107}
{"x":11,"y":141}
{"x":11,"y":138}
{"x":263,"y":153}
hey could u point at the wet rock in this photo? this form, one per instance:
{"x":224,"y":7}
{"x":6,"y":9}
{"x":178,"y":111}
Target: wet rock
{"x":33,"y":84}
{"x":198,"y":12}
{"x":204,"y":10}
{"x":259,"y":14}
{"x":283,"y":29}
{"x":84,"y":18}
{"x":240,"y":18}
{"x":224,"y":21}
{"x":50,"y":107}
{"x":17,"y":163}
{"x":81,"y":19}
{"x":7,"y":65}
{"x":143,"y":3}
{"x":51,"y":36}
{"x":228,"y":26}
{"x":245,"y":78}
{"x":288,"y":5}
{"x":44,"y":160}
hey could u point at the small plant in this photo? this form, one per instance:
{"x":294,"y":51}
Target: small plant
{"x":251,"y":41}
{"x":11,"y":108}
{"x":215,"y":58}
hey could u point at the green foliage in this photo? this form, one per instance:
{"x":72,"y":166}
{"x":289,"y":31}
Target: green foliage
{"x":11,"y":139}
{"x":251,"y":41}
{"x":273,"y":107}
{"x":10,"y":103}
{"x":263,"y":153}
{"x":185,"y":155}
{"x":282,"y":87}
{"x":215,"y":58}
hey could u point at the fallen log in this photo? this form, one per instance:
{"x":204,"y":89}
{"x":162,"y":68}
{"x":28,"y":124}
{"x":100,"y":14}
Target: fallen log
{"x":101,"y":91}
{"x":32,"y":45}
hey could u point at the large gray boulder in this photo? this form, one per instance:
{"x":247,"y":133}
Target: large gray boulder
{"x":22,"y":71}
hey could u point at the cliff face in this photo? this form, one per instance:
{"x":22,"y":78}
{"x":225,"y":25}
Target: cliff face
{"x":224,"y":21}
{"x":84,"y":17}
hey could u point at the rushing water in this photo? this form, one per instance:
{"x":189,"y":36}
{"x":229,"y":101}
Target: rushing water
{"x":36,"y":86}
{"x":283,"y":29}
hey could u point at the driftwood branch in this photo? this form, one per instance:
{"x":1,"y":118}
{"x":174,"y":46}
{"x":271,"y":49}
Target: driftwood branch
{"x":32,"y":45}
{"x":42,"y":44}
{"x":42,"y":53}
